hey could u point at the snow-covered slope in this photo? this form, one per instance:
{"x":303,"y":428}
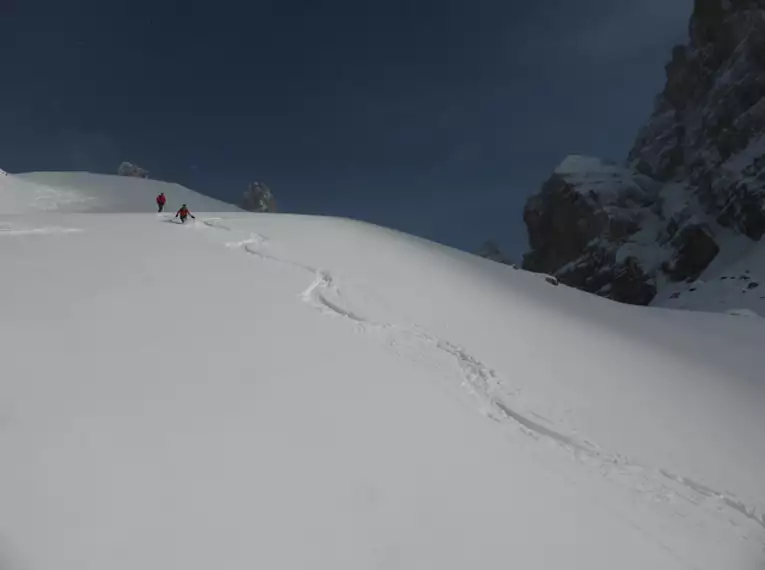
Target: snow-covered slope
{"x":86,"y":192}
{"x":258,"y":391}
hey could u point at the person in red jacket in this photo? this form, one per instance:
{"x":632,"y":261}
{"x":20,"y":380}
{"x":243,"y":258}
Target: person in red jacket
{"x":161,"y":201}
{"x":183,"y":212}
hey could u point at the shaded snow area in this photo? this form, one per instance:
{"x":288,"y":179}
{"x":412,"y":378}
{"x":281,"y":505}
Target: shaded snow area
{"x":738,"y":163}
{"x":733,"y":284}
{"x":277,"y":391}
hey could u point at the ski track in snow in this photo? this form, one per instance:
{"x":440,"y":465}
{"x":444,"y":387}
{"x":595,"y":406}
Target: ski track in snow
{"x":482,"y":382}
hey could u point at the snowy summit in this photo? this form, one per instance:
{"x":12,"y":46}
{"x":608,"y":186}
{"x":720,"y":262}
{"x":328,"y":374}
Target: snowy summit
{"x":287,"y":392}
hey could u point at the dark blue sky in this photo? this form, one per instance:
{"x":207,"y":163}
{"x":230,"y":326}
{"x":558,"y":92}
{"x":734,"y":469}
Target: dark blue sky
{"x":437,"y":117}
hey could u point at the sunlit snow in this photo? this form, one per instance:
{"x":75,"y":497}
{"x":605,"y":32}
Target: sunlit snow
{"x":282,"y":391}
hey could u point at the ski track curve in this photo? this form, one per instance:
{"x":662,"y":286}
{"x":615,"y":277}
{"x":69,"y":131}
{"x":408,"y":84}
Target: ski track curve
{"x":482,"y":382}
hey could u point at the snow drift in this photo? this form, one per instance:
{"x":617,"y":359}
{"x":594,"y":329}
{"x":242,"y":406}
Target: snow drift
{"x":286,"y":391}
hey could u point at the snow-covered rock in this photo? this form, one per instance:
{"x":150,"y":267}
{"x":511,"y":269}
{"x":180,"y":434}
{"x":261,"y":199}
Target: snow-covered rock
{"x":589,"y":224}
{"x":130,"y":169}
{"x":490,"y":250}
{"x":258,"y":198}
{"x":697,"y":168}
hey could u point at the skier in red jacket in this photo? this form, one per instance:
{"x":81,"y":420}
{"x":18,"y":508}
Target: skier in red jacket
{"x":161,"y":201}
{"x":183,"y":212}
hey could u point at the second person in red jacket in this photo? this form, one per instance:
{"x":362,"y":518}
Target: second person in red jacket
{"x":183,"y":212}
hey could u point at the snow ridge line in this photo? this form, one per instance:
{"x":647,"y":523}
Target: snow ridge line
{"x":479,"y":380}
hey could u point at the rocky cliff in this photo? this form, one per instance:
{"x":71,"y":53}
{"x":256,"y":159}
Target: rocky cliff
{"x":695,"y":173}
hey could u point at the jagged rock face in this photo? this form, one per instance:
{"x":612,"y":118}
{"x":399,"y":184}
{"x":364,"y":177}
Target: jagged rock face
{"x":258,"y":198}
{"x":561,"y":222}
{"x":700,"y":162}
{"x":129,"y":169}
{"x":584,"y":225}
{"x":712,"y":103}
{"x":630,"y":284}
{"x":708,"y":123}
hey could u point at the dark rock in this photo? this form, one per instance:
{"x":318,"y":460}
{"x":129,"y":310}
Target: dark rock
{"x":753,"y":285}
{"x":695,"y":249}
{"x":745,"y":211}
{"x":711,"y":109}
{"x":675,"y":295}
{"x":577,"y":224}
{"x":631,"y":284}
{"x":560,"y":222}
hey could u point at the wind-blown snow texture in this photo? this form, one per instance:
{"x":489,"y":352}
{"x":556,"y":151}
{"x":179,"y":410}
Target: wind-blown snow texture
{"x":276,"y":391}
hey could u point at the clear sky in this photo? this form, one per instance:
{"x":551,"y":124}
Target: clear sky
{"x":437,"y":117}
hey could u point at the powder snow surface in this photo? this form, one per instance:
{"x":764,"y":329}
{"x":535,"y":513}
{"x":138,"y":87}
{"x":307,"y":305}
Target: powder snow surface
{"x":278,"y":391}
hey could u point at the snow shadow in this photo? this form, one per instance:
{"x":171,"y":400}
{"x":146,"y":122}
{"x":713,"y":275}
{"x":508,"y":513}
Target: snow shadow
{"x":173,"y":221}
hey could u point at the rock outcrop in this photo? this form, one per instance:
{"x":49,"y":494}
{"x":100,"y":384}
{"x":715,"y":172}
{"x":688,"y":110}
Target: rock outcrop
{"x":258,"y":198}
{"x":589,"y":226}
{"x":130,"y":169}
{"x":491,"y":250}
{"x":696,"y":170}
